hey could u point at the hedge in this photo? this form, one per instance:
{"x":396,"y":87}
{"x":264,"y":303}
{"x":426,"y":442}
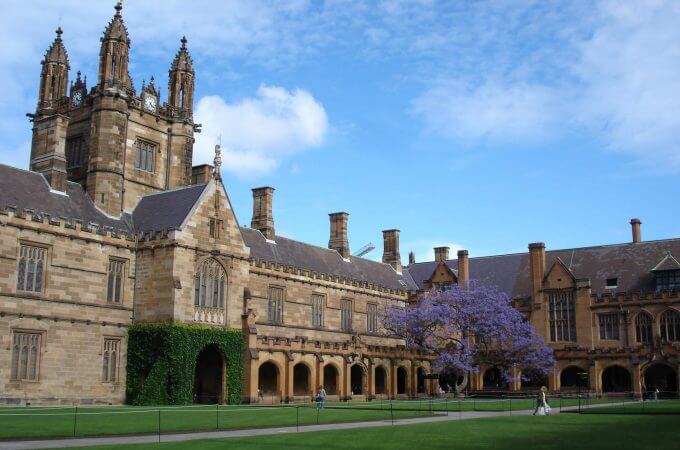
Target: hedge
{"x":162,"y":360}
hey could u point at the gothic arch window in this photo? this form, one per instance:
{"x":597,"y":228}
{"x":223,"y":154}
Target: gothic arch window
{"x":643,"y":328}
{"x":210,"y":282}
{"x":181,"y":96}
{"x":670,"y":326}
{"x":113,"y":67}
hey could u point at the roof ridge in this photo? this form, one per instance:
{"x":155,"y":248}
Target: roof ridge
{"x":178,"y":188}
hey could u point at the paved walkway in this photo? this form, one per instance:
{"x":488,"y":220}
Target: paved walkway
{"x":181,"y":437}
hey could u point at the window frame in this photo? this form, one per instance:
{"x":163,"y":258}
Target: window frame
{"x":15,"y":374}
{"x":346,"y":314}
{"x":111,"y":283}
{"x":22,"y":280}
{"x":670,"y":329}
{"x":115,"y":341}
{"x":318,"y":304}
{"x":667,"y":280}
{"x":215,"y":227}
{"x":210,"y":275}
{"x":561,"y":315}
{"x":644,"y":332}
{"x":609,"y":324}
{"x":142,"y":164}
{"x":79,"y":155}
{"x":372,"y":317}
{"x":275,"y":306}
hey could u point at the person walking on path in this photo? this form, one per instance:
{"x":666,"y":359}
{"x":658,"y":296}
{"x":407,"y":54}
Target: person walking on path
{"x":542,"y":408}
{"x":320,"y":398}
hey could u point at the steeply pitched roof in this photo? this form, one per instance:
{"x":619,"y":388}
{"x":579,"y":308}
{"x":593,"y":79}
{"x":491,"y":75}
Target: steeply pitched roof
{"x":167,"y":209}
{"x":630,"y":263}
{"x":321,"y":260}
{"x":29,"y":190}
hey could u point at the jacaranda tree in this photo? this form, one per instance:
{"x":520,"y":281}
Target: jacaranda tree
{"x":468,"y":325}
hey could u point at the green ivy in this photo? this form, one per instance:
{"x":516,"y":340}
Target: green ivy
{"x":162,"y":360}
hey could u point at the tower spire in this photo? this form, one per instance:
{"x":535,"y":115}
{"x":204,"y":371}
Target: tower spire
{"x":113,"y":56}
{"x":217,"y":162}
{"x":181,"y":83}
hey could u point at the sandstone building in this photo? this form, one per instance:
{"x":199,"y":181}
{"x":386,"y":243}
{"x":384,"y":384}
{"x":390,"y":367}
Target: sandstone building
{"x":112,"y":225}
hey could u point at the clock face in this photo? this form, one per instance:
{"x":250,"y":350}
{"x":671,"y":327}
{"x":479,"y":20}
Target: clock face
{"x":150,"y":103}
{"x":77,"y":99}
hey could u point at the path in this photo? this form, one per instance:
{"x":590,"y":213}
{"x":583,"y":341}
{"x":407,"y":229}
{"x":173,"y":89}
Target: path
{"x":180,"y":437}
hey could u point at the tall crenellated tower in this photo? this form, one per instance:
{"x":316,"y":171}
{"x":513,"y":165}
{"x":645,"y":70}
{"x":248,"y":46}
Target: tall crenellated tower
{"x":109,"y":119}
{"x":50,"y":121}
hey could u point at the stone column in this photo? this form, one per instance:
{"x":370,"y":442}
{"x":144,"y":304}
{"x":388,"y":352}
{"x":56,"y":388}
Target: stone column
{"x":637,"y":379}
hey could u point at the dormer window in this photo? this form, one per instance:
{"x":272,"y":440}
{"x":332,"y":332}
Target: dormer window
{"x":611,"y":283}
{"x":667,"y":274}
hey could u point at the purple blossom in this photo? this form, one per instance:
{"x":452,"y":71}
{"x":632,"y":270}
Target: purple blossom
{"x":469,"y":325}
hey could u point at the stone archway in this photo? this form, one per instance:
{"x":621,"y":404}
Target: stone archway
{"x":661,"y":376}
{"x":209,"y":376}
{"x":420,"y":380}
{"x":302,"y":380}
{"x":533,"y":380}
{"x":380,"y":380}
{"x":572,"y":377}
{"x":268,"y":379}
{"x":402,"y":381}
{"x":452,"y":381}
{"x":330,"y":379}
{"x":493,"y":379}
{"x":616,"y":379}
{"x":357,"y":380}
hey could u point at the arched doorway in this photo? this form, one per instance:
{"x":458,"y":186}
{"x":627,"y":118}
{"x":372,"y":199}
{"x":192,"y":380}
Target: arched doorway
{"x":380,"y":380}
{"x":533,"y":379}
{"x":357,"y":380}
{"x":402,"y":376}
{"x":420,"y":380}
{"x":301,"y":380}
{"x":616,"y":379}
{"x":662,"y":377}
{"x":268,"y":379}
{"x":209,"y":376}
{"x":452,"y":381}
{"x":572,"y":377}
{"x":493,"y":379}
{"x":330,"y":379}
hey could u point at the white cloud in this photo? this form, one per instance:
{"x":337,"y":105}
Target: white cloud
{"x":256,"y":133}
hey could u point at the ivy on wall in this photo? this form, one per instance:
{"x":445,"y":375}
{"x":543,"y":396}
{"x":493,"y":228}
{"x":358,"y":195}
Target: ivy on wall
{"x":162,"y":360}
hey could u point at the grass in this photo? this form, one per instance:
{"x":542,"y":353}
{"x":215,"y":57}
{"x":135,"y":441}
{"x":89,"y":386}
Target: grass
{"x":33,"y":422}
{"x":647,"y":407}
{"x":562,"y":432}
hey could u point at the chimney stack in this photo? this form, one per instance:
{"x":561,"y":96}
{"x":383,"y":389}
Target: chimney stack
{"x":391,"y":253}
{"x":537,"y":267}
{"x":411,"y":258}
{"x":338,"y":240}
{"x":441,"y":253}
{"x":263,"y":217}
{"x":463,"y":266}
{"x":637,"y":232}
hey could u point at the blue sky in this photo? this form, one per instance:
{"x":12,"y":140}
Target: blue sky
{"x":480,"y":125}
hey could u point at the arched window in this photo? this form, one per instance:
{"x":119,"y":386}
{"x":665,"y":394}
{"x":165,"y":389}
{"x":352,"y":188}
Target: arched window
{"x":643,"y":328}
{"x":209,"y":284}
{"x":670,"y":326}
{"x":181,"y":97}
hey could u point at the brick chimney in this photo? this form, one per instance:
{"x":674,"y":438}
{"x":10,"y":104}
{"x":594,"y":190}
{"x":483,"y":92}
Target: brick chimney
{"x":411,"y":258}
{"x":201,"y":174}
{"x":635,"y":228}
{"x":537,"y":267}
{"x":391,"y":253}
{"x":441,"y":253}
{"x":263,"y":218}
{"x":463,"y":266}
{"x":338,"y":239}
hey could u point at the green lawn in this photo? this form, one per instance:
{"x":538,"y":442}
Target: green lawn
{"x":568,"y":431}
{"x":36,"y":422}
{"x":647,"y":407}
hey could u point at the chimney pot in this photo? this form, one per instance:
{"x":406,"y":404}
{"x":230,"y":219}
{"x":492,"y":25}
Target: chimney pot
{"x":441,"y":253}
{"x":635,"y":224}
{"x":411,"y":258}
{"x":338,"y":238}
{"x":391,"y":253}
{"x":537,"y":267}
{"x":263,"y":216}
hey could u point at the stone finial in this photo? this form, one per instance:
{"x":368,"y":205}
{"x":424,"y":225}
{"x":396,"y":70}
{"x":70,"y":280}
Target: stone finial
{"x":217,"y":162}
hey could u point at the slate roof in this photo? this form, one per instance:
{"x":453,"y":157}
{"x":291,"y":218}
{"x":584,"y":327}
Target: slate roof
{"x":668,"y":263}
{"x":321,"y":260}
{"x":630,"y":263}
{"x":167,"y":209}
{"x":29,"y":190}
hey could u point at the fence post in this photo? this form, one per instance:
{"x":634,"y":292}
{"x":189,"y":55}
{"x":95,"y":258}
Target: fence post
{"x":297,"y":418}
{"x":159,"y":424}
{"x":392,"y":413}
{"x":75,"y":420}
{"x":217,"y":416}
